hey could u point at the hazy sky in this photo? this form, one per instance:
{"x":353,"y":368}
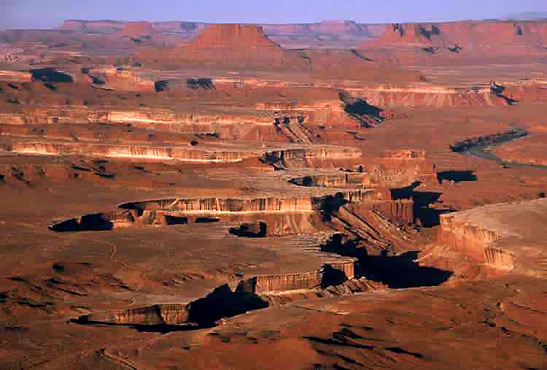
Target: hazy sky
{"x":50,"y":13}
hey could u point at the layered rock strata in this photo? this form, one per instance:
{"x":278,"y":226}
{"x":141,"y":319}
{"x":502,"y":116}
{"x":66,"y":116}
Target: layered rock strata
{"x":508,"y":236}
{"x":307,"y":156}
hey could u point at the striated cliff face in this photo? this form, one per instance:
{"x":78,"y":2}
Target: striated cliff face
{"x":405,"y":165}
{"x":509,"y":236}
{"x":315,"y":156}
{"x":146,"y":152}
{"x":418,"y":94}
{"x":337,"y":180}
{"x":433,"y":96}
{"x":247,"y":126}
{"x":214,"y":206}
{"x":293,"y":156}
{"x":476,"y":241}
{"x":160,"y":314}
{"x":287,"y":282}
{"x":377,"y":176}
{"x":330,"y":274}
{"x":470,"y":238}
{"x":221,"y":302}
{"x":397,"y":211}
{"x":280,"y":216}
{"x":225,"y":301}
{"x":397,"y":169}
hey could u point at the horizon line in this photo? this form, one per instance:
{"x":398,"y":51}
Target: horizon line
{"x":114,"y":20}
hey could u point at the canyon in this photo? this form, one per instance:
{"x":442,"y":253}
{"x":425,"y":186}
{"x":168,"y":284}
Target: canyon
{"x":330,"y":195}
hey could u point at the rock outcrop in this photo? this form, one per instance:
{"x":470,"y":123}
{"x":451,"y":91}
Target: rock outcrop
{"x":509,"y":236}
{"x":218,"y":206}
{"x":121,"y":79}
{"x":160,"y":314}
{"x":145,"y":152}
{"x":470,"y":36}
{"x":310,"y":157}
{"x":221,"y":302}
{"x":227,"y":46}
{"x":483,"y":141}
{"x":225,"y":301}
{"x":413,"y":43}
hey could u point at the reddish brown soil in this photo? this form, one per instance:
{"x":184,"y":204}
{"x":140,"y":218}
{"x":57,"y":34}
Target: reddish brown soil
{"x":152,"y":209}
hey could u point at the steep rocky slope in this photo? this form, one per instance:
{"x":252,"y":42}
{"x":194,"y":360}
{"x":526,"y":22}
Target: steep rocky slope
{"x":227,"y":202}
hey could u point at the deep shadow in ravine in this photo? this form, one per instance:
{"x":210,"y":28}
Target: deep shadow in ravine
{"x":401,"y":271}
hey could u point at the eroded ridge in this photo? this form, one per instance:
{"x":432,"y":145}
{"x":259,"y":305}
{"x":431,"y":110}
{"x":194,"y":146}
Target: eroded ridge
{"x":185,"y":193}
{"x":501,"y":235}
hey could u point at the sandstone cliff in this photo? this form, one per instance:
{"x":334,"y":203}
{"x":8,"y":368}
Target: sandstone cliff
{"x":458,"y":42}
{"x":468,"y":37}
{"x":510,"y":236}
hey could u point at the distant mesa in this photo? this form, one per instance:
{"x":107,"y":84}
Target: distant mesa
{"x":465,"y":37}
{"x":226,"y":45}
{"x":233,"y":36}
{"x":340,"y":27}
{"x":247,"y":47}
{"x":102,"y":26}
{"x":137,"y":29}
{"x":334,"y":30}
{"x":411,"y":33}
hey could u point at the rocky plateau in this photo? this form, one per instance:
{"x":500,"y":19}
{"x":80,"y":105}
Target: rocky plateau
{"x":330,"y":195}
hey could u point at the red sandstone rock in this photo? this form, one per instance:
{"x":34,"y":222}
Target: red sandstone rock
{"x":418,"y":43}
{"x":228,"y":46}
{"x":137,"y":29}
{"x":470,"y":36}
{"x":232,"y":36}
{"x":72,"y":150}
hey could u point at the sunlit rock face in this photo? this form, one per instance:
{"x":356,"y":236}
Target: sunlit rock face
{"x":499,"y":235}
{"x":328,"y":195}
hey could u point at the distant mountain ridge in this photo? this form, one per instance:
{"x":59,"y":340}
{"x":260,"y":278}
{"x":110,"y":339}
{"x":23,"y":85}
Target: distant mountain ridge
{"x":528,"y":16}
{"x":327,"y":33}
